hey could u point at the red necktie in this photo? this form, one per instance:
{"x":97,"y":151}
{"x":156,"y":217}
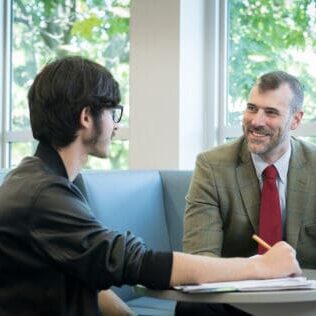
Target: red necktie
{"x":270,"y":225}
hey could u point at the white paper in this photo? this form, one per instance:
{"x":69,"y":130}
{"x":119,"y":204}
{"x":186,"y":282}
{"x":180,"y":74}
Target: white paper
{"x":289,"y":283}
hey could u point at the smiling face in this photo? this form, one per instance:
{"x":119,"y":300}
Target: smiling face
{"x":267,"y":122}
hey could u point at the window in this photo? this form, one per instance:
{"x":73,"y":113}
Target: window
{"x":40,"y":32}
{"x":263,"y":36}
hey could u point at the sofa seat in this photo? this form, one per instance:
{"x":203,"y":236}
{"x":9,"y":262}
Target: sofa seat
{"x":152,"y":306}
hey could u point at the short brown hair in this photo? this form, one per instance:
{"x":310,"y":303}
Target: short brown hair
{"x":273,"y":80}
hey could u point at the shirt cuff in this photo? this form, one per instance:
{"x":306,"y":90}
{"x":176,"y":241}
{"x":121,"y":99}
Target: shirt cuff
{"x":155,"y":272}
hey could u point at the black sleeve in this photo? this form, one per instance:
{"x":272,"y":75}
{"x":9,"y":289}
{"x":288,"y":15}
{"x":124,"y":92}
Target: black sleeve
{"x":155,"y":271}
{"x":156,"y":267}
{"x":65,"y":234}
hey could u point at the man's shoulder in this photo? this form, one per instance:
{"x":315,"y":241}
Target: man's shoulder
{"x":28,"y":166}
{"x":304,"y":149}
{"x":226,"y":153}
{"x":33,"y":173}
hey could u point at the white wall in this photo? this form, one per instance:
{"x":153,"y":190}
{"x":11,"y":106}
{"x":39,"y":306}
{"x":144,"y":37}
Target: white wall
{"x":167,"y":83}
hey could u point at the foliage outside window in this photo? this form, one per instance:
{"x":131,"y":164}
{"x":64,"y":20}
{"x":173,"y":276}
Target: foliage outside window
{"x":269,"y":35}
{"x":43,"y":30}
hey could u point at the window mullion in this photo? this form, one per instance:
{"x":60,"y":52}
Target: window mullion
{"x":216,"y":74}
{"x":5,"y":56}
{"x":222,"y":79}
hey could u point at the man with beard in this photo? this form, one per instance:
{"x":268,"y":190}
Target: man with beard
{"x":223,"y":201}
{"x":56,"y":257}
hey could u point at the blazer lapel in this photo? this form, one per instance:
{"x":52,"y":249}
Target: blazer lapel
{"x":249,"y":186}
{"x":297,"y":194}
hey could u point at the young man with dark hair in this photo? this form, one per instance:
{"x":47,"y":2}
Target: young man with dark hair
{"x":55,"y":256}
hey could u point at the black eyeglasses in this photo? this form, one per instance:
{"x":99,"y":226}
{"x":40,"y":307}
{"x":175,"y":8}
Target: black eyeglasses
{"x":117,"y":113}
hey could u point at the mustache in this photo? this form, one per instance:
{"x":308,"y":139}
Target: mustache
{"x":259,"y":130}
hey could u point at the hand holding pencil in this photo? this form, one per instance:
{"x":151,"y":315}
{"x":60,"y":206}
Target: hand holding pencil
{"x":279,"y":259}
{"x":261,"y":241}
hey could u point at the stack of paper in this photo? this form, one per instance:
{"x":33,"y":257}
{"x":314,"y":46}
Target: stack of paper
{"x":294,"y":283}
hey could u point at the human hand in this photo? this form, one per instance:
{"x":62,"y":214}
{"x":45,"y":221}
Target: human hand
{"x":280,"y":261}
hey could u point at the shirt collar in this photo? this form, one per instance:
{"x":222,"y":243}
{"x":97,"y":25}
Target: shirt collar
{"x":282,"y":164}
{"x":51,"y":158}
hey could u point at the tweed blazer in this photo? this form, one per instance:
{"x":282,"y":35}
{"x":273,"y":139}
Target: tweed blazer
{"x":223,"y":203}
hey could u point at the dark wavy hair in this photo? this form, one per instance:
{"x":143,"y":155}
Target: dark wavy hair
{"x":273,"y":80}
{"x":60,"y":92}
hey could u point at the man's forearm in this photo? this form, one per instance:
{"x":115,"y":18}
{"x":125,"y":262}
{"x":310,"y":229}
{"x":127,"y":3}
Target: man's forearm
{"x":111,"y":304}
{"x":280,"y":261}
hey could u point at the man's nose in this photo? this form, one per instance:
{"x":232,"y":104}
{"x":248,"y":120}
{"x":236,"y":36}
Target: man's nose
{"x":116,"y":126}
{"x":258,"y":118}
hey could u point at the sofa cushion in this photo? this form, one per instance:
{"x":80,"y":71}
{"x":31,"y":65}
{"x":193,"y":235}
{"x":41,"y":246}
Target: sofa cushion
{"x":129,"y":200}
{"x":3,"y":173}
{"x":175,"y":186}
{"x":152,"y":306}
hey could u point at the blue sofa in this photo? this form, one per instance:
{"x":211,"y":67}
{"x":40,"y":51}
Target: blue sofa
{"x":148,"y":203}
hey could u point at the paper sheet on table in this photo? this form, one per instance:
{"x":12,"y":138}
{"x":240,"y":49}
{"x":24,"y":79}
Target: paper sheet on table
{"x":294,"y":283}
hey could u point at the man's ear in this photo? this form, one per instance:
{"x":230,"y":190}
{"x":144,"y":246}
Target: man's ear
{"x":85,"y":117}
{"x":296,"y":120}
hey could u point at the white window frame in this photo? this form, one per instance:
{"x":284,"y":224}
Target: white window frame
{"x":221,"y":23}
{"x":8,"y":136}
{"x":5,"y":52}
{"x":205,"y":134}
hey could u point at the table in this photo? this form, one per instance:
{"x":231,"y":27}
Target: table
{"x":274,"y":303}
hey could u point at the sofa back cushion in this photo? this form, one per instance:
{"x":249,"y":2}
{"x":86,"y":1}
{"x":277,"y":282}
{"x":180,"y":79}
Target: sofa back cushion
{"x":130,"y":200}
{"x":3,"y":173}
{"x":175,"y":186}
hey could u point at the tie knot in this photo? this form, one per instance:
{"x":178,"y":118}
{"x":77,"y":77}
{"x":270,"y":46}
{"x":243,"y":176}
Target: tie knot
{"x":270,"y":172}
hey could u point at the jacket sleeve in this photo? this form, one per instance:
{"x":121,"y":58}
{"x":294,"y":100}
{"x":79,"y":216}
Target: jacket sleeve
{"x":65,"y":233}
{"x":203,"y":225}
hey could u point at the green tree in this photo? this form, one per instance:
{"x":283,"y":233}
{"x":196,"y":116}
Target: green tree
{"x":46,"y":29}
{"x":270,"y":35}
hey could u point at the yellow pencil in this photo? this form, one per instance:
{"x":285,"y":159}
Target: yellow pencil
{"x":260,"y":241}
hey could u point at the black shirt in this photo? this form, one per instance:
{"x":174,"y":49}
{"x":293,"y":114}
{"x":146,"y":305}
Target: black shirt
{"x":55,"y":255}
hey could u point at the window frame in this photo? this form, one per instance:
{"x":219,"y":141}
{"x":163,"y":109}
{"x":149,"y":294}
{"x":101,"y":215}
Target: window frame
{"x":219,"y":109}
{"x":214,"y":82}
{"x":5,"y":53}
{"x":7,"y":135}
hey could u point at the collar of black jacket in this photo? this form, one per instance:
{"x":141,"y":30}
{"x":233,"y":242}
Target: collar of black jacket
{"x":51,"y":158}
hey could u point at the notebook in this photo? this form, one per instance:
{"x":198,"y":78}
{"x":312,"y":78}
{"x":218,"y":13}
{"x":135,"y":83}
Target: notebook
{"x":289,"y":283}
